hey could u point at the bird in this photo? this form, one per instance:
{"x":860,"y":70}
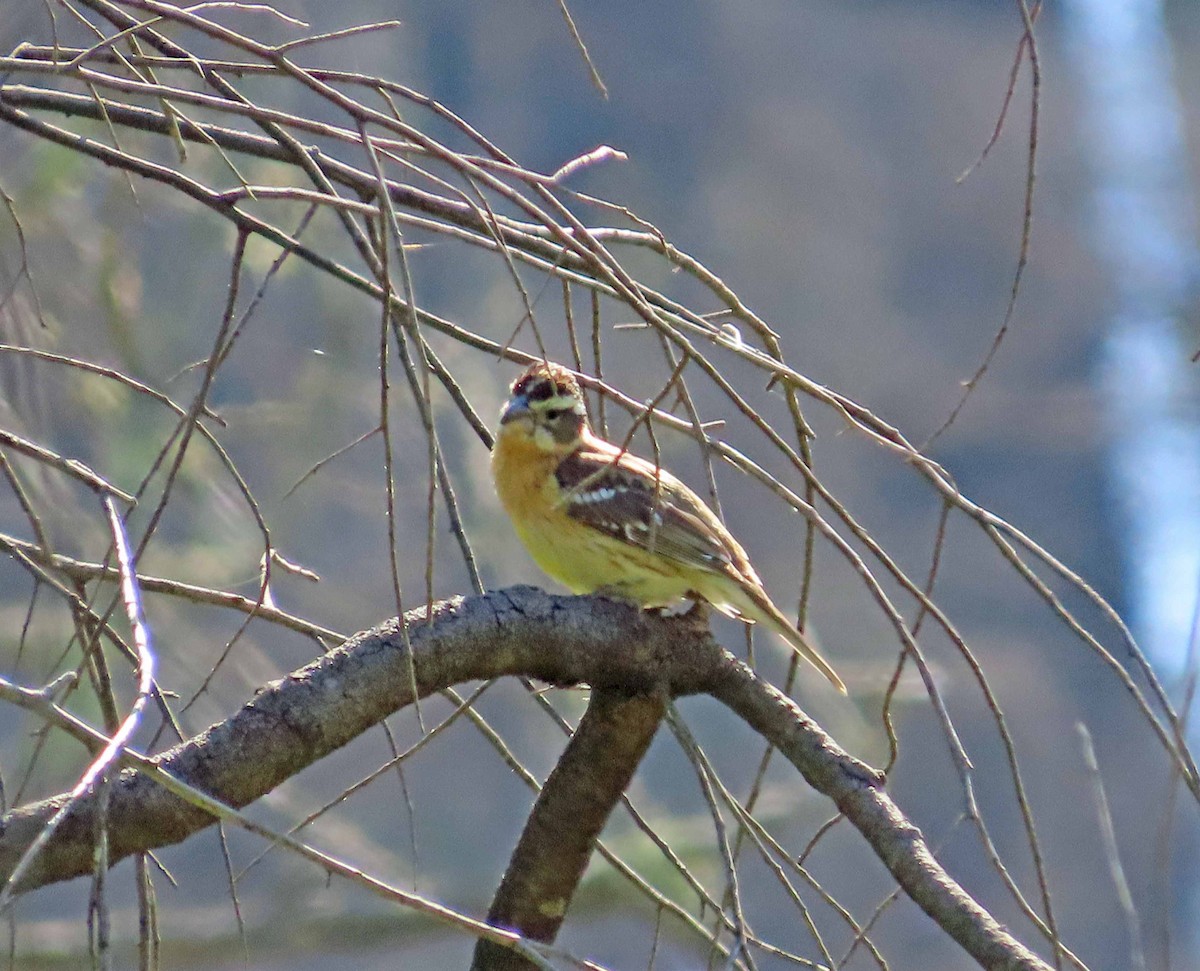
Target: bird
{"x":599,"y":519}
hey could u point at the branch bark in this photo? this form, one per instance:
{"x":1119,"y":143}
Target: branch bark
{"x":314,"y":711}
{"x":569,"y":814}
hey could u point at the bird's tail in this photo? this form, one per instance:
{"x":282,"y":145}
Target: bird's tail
{"x":758,"y":607}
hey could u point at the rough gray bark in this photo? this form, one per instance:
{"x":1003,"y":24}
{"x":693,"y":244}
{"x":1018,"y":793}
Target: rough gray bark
{"x":570,"y":812}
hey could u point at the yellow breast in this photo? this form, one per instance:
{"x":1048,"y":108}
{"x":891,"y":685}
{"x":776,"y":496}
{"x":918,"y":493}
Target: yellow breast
{"x":581,"y":558}
{"x":524,"y":479}
{"x":525,"y":482}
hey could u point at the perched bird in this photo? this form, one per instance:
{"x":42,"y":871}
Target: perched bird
{"x":600,"y":520}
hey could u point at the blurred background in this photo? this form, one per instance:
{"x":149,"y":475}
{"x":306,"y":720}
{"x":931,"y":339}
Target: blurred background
{"x":809,"y":155}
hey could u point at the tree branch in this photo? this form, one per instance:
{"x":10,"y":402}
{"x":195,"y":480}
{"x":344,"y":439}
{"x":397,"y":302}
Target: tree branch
{"x":570,"y":812}
{"x":314,"y":711}
{"x":858,"y":792}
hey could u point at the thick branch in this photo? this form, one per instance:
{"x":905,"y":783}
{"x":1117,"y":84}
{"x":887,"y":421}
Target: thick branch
{"x":571,"y":810}
{"x":563,"y":640}
{"x":312,"y":712}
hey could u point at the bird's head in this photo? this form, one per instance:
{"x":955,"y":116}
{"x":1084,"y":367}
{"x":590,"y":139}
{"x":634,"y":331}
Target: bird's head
{"x":545,"y":410}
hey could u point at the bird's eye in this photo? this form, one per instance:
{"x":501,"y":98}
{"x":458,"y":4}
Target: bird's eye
{"x":553,"y":413}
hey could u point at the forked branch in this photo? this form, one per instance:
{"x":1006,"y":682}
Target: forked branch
{"x":519,"y":631}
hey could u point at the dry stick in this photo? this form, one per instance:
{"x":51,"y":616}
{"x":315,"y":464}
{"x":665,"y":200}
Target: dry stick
{"x":700,"y":766}
{"x":22,"y":641}
{"x":418,"y":384}
{"x":261,"y":292}
{"x":410,"y":809}
{"x":569,"y":319}
{"x":1162,"y":888}
{"x":112,"y":132}
{"x":804,"y":436}
{"x":583,"y":51}
{"x":571,"y":810}
{"x":148,"y":935}
{"x":1112,"y":852}
{"x":72,"y":467}
{"x":110,"y":373}
{"x":939,"y":542}
{"x":88,"y":634}
{"x":422,"y":396}
{"x":396,"y":761}
{"x":1030,"y":43}
{"x":458,"y":396}
{"x":191,"y":420}
{"x":492,"y":224}
{"x":269,"y":553}
{"x":768,"y":845}
{"x":1007,"y":102}
{"x":24,"y":270}
{"x":86,"y":572}
{"x":231,"y":883}
{"x":337,"y":453}
{"x":420,"y":387}
{"x":597,"y":360}
{"x":389,"y":477}
{"x":43,"y":541}
{"x":26,"y":504}
{"x":221,"y":347}
{"x":689,"y":405}
{"x":339,"y":34}
{"x":28,"y":859}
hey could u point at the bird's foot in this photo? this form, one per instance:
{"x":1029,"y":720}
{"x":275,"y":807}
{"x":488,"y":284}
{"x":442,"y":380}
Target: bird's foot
{"x":616,"y":592}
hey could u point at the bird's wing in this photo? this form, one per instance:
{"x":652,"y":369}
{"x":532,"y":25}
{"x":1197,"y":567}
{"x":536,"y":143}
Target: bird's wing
{"x":628,"y":498}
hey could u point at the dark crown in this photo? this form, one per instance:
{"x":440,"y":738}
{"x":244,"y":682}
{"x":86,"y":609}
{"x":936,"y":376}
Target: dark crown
{"x":546,"y":380}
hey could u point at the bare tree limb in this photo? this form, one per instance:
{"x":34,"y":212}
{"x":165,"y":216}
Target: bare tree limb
{"x":314,"y":711}
{"x":574,"y":804}
{"x":858,"y":791}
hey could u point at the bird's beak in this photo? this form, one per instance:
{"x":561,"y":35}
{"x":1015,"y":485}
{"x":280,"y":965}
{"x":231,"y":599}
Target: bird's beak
{"x":517,"y":407}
